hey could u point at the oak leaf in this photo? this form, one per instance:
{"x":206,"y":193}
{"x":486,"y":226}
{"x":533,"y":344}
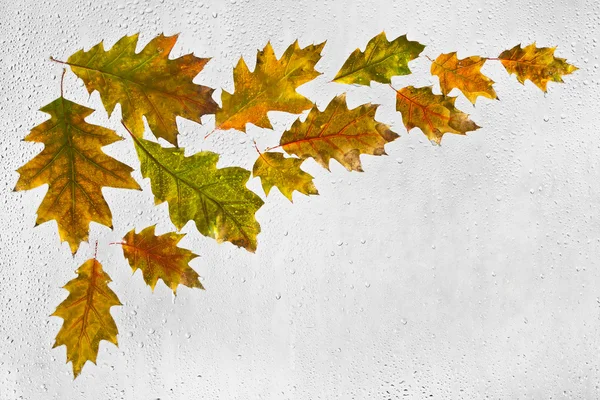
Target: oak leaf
{"x":271,"y":87}
{"x":217,"y":200}
{"x":75,"y":169}
{"x":158,"y":257}
{"x":274,"y":169}
{"x":147,"y":83}
{"x":536,"y":64}
{"x":380,"y":61}
{"x":86,"y":315}
{"x":338,"y":133}
{"x":434,"y":114}
{"x":464,"y":74}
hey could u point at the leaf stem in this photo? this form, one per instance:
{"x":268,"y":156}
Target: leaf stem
{"x":58,"y":61}
{"x":261,"y":154}
{"x":126,"y":128}
{"x":256,"y":147}
{"x":394,"y":89}
{"x":273,"y":147}
{"x":210,"y":133}
{"x":62,"y":82}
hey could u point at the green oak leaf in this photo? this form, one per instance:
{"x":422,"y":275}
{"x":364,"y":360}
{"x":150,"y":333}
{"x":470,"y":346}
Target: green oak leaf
{"x":380,"y":61}
{"x":217,"y":200}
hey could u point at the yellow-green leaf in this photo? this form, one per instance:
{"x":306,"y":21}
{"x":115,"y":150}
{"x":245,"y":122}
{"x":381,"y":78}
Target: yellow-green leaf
{"x":75,"y":169}
{"x":274,"y":169}
{"x":434,"y":114}
{"x":271,"y":87}
{"x":338,"y":133}
{"x":146,"y":84}
{"x":380,"y":61}
{"x":86,"y":315}
{"x":217,"y":200}
{"x":465,"y":75}
{"x":158,"y":257}
{"x":536,"y":64}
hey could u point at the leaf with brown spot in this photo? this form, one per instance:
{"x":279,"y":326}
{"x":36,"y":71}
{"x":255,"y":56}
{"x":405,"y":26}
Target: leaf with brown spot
{"x":434,"y":114}
{"x":338,"y":133}
{"x":75,"y":169}
{"x":536,"y":64}
{"x":86,"y":315}
{"x":271,"y":87}
{"x":147,"y":83}
{"x":464,"y":74}
{"x":158,"y":257}
{"x":274,"y":169}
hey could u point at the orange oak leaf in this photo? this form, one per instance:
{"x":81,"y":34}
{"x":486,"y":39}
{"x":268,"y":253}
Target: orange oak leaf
{"x":86,"y":315}
{"x":75,"y":169}
{"x":158,"y":257}
{"x":271,"y":87}
{"x":464,"y":74}
{"x":536,"y":64}
{"x":434,"y":114}
{"x":338,"y":133}
{"x":147,"y":83}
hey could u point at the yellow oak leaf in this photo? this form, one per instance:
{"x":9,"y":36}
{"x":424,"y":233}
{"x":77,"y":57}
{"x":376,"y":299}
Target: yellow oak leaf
{"x":536,"y":64}
{"x":338,"y":133}
{"x":147,"y":83}
{"x":380,"y":61}
{"x":464,"y":74}
{"x":434,"y":114}
{"x":158,"y":257}
{"x":216,"y":199}
{"x":75,"y":169}
{"x":271,"y":87}
{"x":274,"y":169}
{"x":86,"y":315}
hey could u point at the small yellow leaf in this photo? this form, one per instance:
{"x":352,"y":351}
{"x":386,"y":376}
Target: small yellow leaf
{"x":271,"y":87}
{"x":147,"y":83}
{"x":434,"y":114}
{"x":75,"y":169}
{"x":338,"y":133}
{"x":464,"y":75}
{"x":380,"y":61}
{"x":274,"y":169}
{"x":158,"y":257}
{"x":536,"y":64}
{"x":86,"y":315}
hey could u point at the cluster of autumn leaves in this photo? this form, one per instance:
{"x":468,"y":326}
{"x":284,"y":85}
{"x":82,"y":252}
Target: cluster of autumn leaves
{"x":149,"y":84}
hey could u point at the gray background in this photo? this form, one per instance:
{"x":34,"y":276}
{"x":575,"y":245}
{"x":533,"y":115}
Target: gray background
{"x":465,"y":271}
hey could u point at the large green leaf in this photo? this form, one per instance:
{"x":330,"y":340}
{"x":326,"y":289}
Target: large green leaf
{"x":217,"y":200}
